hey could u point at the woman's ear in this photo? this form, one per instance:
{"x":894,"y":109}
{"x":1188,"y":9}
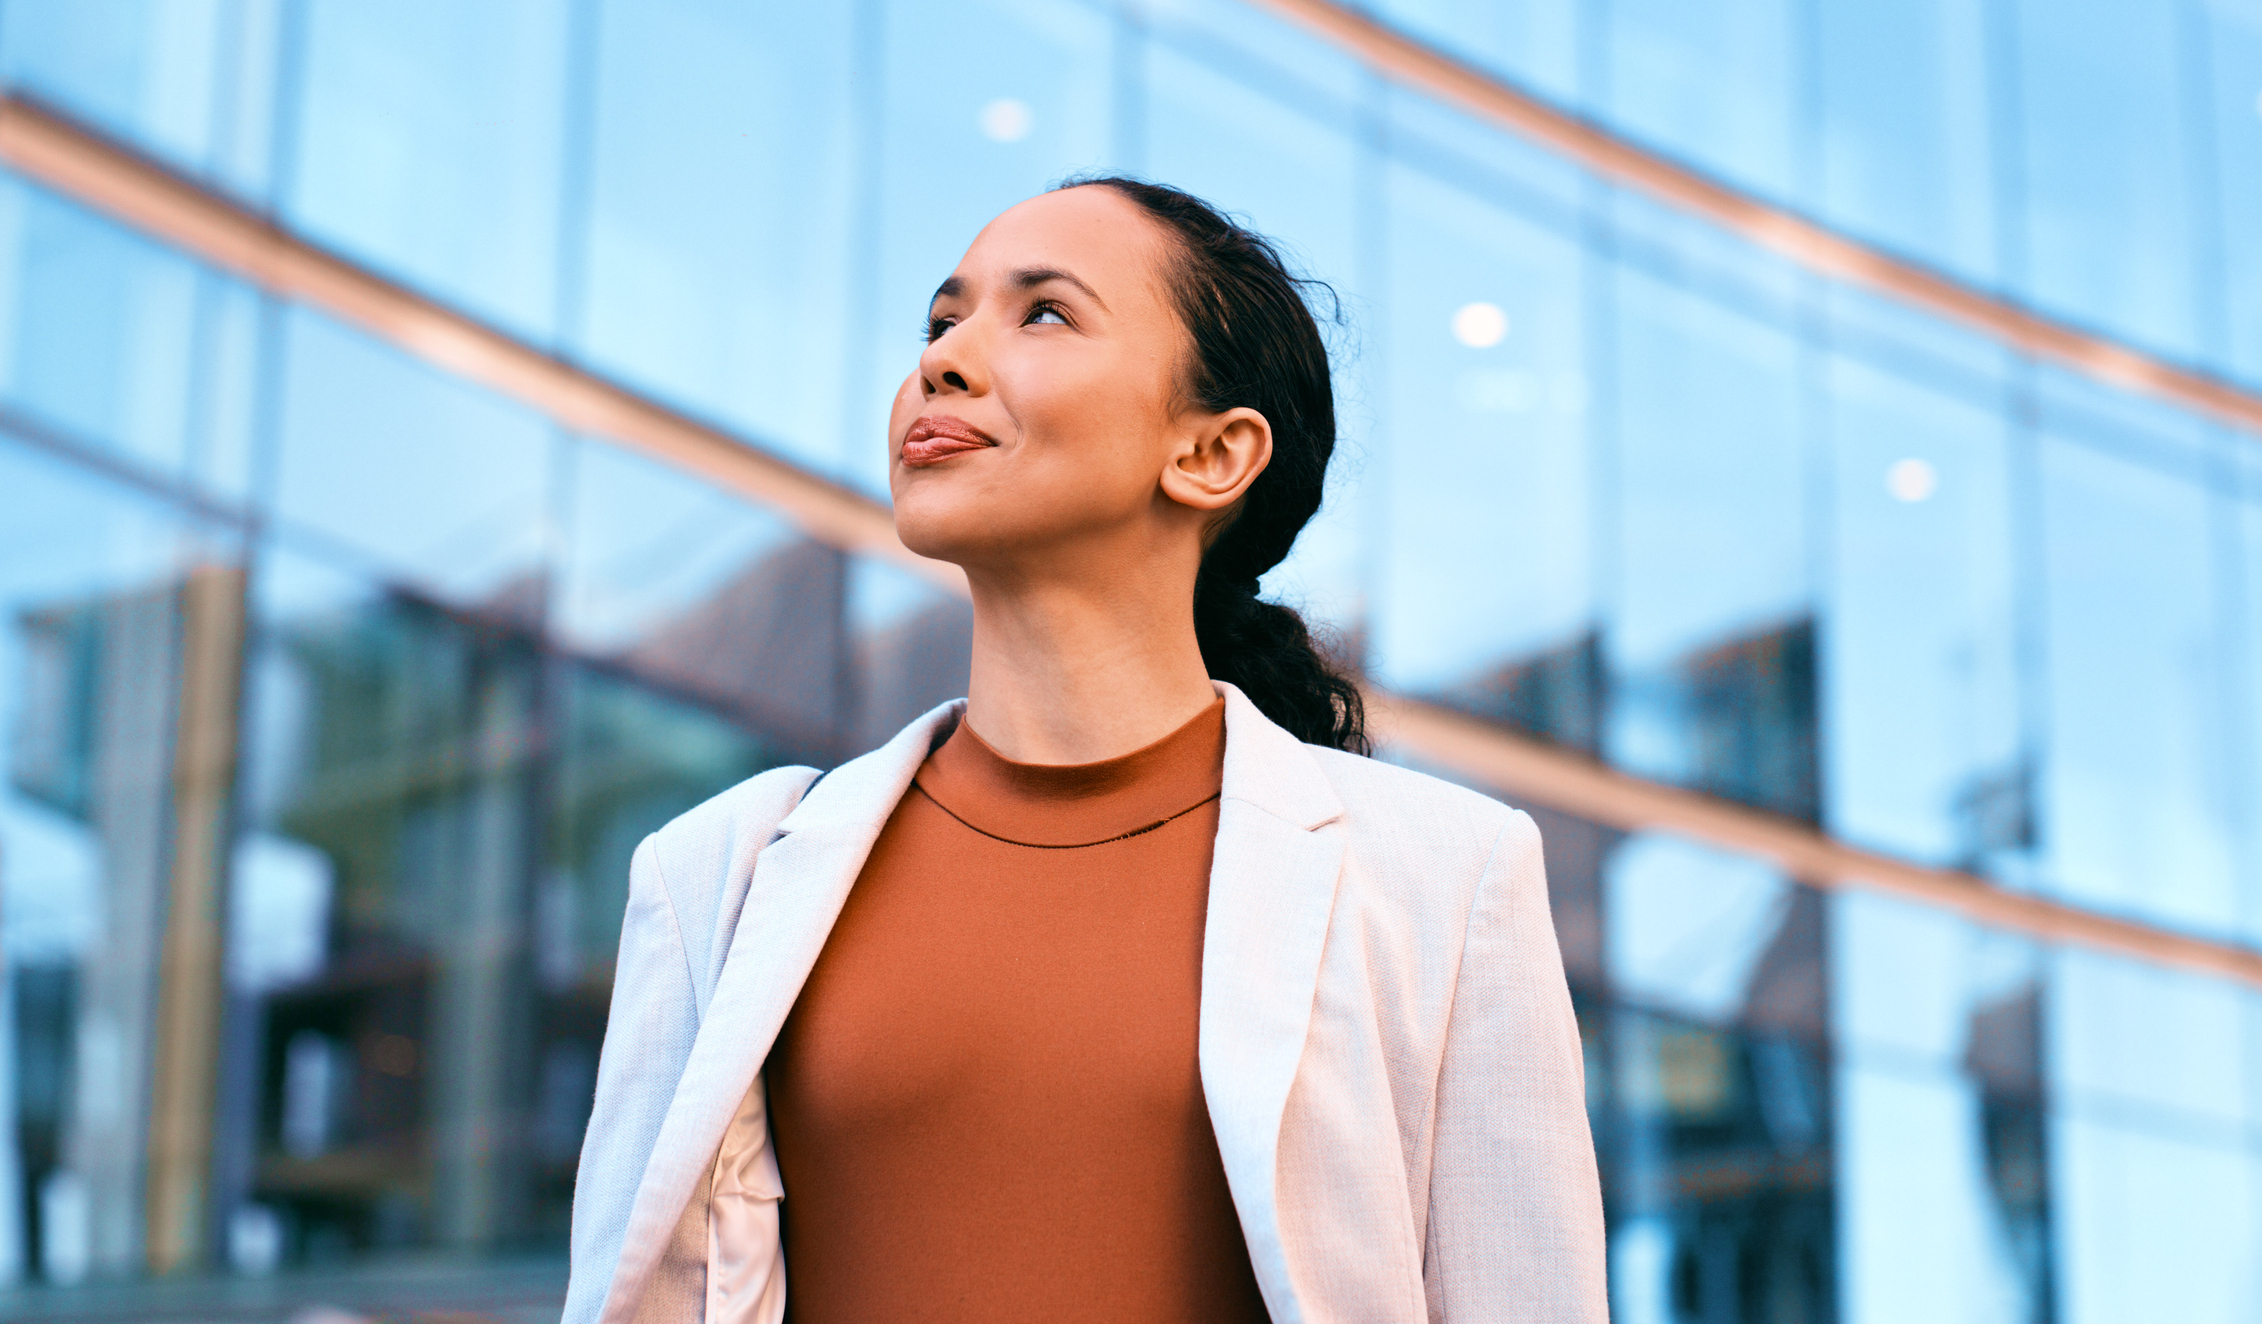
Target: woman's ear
{"x":1214,"y":464}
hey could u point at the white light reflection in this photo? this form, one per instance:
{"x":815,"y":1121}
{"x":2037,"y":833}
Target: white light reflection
{"x":1007,"y":120}
{"x":1480,"y":325}
{"x":1911,"y":479}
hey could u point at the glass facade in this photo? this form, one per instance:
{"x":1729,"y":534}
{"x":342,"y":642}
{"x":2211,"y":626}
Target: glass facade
{"x":335,"y":689}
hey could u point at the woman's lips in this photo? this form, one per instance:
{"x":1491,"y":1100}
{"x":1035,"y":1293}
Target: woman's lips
{"x":935,"y":439}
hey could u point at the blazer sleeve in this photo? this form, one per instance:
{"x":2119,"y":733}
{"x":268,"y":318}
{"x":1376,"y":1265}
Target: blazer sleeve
{"x":648,"y":1037}
{"x":1515,"y":1217}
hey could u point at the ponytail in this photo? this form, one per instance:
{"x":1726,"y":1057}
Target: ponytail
{"x":1256,"y":345}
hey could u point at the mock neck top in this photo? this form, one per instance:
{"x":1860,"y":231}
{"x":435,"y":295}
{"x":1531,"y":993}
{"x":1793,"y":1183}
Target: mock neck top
{"x":1076,"y":806}
{"x":987,"y":1100}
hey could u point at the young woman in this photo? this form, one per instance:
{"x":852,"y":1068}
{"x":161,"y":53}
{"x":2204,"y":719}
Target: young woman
{"x":1126,"y":989}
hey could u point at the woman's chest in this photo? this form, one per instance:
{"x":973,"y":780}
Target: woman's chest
{"x":972,"y":971}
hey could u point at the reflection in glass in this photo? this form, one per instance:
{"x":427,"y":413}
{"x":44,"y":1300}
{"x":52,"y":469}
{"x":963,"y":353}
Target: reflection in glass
{"x":436,"y":481}
{"x":95,"y":334}
{"x":1714,"y":1124}
{"x":2233,"y":38}
{"x":429,"y":140}
{"x":118,"y":634}
{"x":1919,"y":682}
{"x":2135,"y":801}
{"x":1486,"y":597}
{"x":1942,"y":1130}
{"x":2108,"y":169}
{"x":1711,"y":645}
{"x":2151,"y":1141}
{"x":193,"y":83}
{"x":1905,"y":142}
{"x":1713,"y":84}
{"x":1531,"y":42}
{"x":718,"y":246}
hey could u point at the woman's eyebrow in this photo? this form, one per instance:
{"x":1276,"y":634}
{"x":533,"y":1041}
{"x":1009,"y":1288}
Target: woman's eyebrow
{"x":1027,"y":278}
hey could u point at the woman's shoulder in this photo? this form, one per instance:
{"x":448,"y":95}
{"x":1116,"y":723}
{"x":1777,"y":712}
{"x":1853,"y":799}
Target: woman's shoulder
{"x":702,"y":841}
{"x":1391,"y":808}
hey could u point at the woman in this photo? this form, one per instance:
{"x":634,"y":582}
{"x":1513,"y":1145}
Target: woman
{"x":1125,"y":989}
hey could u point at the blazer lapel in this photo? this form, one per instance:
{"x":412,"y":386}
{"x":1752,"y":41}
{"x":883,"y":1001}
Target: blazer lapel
{"x":800,"y":882}
{"x":1273,"y":876}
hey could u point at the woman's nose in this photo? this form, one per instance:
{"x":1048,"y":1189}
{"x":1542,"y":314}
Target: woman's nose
{"x":949,"y":363}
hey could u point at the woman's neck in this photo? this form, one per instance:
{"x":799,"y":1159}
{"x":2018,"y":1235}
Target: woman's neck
{"x":1075,"y":668}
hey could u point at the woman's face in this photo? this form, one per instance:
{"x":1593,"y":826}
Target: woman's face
{"x":1046,"y":406}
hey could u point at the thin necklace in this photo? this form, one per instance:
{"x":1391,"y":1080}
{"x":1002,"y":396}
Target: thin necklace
{"x":1081,"y":845}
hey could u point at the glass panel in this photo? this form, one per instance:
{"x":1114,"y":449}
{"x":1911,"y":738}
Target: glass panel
{"x":1905,"y":139}
{"x":191,"y":81}
{"x":2247,"y":662}
{"x":2110,"y":226}
{"x":1531,"y":42}
{"x":1715,"y":84}
{"x":2152,"y":1150}
{"x":702,"y":596}
{"x":2234,"y":39}
{"x":94,"y":329}
{"x":1261,"y":48}
{"x":2157,"y":1226}
{"x":431,"y":478}
{"x":1471,"y":153}
{"x":430,"y":141}
{"x":1485,"y":592}
{"x":2160,"y":1043}
{"x":1940,"y":1123}
{"x":2135,"y":808}
{"x":1711,"y":640}
{"x":1716,"y":1122}
{"x":1920,"y":685}
{"x":101,"y":625}
{"x":391,"y":825}
{"x":719,"y":263}
{"x":226,"y":381}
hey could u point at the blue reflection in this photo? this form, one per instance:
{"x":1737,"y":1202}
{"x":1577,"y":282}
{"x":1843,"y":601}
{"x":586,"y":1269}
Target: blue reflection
{"x":2111,"y":207}
{"x":719,"y":257}
{"x":430,"y":140}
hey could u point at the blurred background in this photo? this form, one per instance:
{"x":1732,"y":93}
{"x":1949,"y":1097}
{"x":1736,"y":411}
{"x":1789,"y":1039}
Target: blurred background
{"x":1808,"y":452}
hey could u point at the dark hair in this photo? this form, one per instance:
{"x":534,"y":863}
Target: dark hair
{"x":1256,"y":345}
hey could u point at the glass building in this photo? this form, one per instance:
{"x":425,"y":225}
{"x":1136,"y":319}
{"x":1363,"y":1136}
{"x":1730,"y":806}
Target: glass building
{"x":1808,"y":452}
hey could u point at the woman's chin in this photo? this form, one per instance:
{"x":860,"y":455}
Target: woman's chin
{"x":945,"y":534}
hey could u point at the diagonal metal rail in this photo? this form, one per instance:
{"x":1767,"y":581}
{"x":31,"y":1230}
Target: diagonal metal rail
{"x":111,"y":177}
{"x":1414,"y":64}
{"x":81,"y":164}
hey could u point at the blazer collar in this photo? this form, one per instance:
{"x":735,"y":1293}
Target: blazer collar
{"x":1271,"y":769}
{"x":801,"y":879}
{"x":1273,"y":877}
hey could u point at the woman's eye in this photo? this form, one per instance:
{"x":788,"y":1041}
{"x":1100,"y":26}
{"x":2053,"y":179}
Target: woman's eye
{"x":1045,"y":313}
{"x":937,"y":325}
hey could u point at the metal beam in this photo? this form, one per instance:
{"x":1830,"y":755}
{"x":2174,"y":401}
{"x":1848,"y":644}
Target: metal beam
{"x":112,"y":178}
{"x":1529,"y":771}
{"x":176,"y":211}
{"x":1425,"y":69}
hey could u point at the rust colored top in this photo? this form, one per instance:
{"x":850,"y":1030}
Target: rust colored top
{"x":987,"y":1101}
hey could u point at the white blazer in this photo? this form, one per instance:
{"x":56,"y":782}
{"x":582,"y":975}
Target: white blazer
{"x":1387,"y":1046}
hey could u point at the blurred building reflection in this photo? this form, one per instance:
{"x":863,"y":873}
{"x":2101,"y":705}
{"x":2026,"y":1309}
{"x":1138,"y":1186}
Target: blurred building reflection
{"x":336,"y":687}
